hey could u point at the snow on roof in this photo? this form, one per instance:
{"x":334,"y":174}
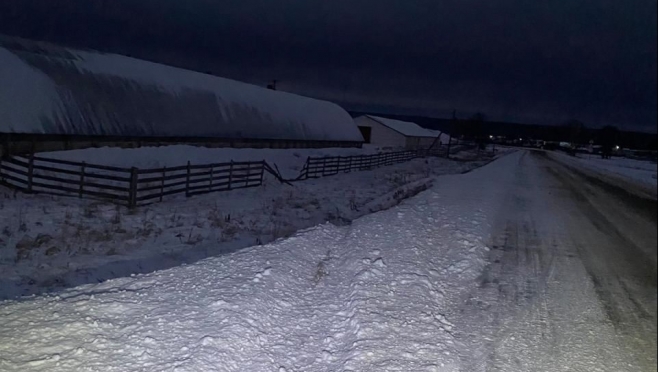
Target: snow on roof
{"x":55,"y":90}
{"x":406,"y":128}
{"x":445,"y":137}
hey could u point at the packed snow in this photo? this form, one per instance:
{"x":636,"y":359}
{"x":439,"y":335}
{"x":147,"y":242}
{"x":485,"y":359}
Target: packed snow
{"x":498,"y":269}
{"x":567,"y":287}
{"x":55,"y":242}
{"x":368,"y":296}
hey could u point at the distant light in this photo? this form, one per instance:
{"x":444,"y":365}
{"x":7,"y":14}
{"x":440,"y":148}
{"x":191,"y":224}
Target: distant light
{"x":490,"y":137}
{"x":520,"y":139}
{"x":616,"y":147}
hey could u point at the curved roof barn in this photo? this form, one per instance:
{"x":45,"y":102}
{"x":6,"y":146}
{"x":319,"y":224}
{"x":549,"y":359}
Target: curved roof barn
{"x":54,"y":90}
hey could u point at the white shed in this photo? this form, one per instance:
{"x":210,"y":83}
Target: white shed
{"x":395,"y":133}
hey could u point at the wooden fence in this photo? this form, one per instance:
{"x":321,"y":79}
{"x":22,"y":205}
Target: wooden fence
{"x":331,"y":165}
{"x":127,"y":186}
{"x":133,"y":186}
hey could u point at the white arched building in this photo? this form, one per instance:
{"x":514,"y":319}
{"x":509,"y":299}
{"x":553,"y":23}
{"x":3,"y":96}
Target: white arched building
{"x":72,"y":98}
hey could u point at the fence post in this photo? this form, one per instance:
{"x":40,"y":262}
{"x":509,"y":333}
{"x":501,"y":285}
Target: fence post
{"x":2,"y":175}
{"x":187,"y":180}
{"x":230,"y":175}
{"x":162,"y":182}
{"x":82,"y":179}
{"x":308,"y":161}
{"x":349,"y":165}
{"x":211,"y":175}
{"x":262,"y":171}
{"x":246,"y":179}
{"x":324,"y":165}
{"x":132,"y":197}
{"x":30,"y":172}
{"x":449,"y":144}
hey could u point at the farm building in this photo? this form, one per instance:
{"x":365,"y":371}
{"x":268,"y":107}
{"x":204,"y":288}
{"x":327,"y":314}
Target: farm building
{"x":395,"y":133}
{"x":55,"y":98}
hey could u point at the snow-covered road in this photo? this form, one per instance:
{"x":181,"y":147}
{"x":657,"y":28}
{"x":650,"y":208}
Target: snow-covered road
{"x":571,"y":283}
{"x":522,"y":265}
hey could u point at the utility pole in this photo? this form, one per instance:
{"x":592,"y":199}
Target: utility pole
{"x":453,"y":126}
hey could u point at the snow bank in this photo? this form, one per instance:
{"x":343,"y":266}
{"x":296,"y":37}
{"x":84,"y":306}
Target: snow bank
{"x":371,"y":296}
{"x":640,"y":172}
{"x":54,"y":242}
{"x":108,"y":94}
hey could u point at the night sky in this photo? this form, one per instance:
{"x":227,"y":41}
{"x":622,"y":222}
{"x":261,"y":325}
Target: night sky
{"x":543,"y":62}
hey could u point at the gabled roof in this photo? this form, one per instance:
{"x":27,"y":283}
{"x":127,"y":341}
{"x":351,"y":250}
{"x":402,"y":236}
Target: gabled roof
{"x":445,"y":137}
{"x":406,"y":128}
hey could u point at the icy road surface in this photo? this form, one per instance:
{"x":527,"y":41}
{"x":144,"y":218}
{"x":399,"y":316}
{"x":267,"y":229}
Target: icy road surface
{"x":522,"y":265}
{"x":571,"y":281}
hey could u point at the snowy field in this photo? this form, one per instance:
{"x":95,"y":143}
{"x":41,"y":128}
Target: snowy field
{"x":55,"y":242}
{"x":638,"y":171}
{"x":369,"y":296}
{"x":289,"y":161}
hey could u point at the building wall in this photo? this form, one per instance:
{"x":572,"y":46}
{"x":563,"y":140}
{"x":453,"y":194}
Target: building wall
{"x":426,"y":142}
{"x":381,"y":135}
{"x":16,"y":144}
{"x":419,"y":142}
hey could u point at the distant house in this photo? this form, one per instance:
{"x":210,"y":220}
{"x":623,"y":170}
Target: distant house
{"x":57,"y":98}
{"x":396,"y":133}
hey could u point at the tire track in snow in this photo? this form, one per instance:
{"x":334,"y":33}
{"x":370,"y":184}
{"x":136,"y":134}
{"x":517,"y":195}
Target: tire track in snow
{"x":537,"y":308}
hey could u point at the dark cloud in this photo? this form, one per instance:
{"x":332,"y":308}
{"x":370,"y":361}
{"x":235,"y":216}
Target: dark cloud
{"x":521,"y":60}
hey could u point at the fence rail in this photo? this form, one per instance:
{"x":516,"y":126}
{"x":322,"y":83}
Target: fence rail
{"x":332,"y":165}
{"x":128,"y":186}
{"x":133,"y":186}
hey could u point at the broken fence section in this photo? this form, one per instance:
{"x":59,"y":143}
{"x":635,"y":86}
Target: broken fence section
{"x":133,"y":187}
